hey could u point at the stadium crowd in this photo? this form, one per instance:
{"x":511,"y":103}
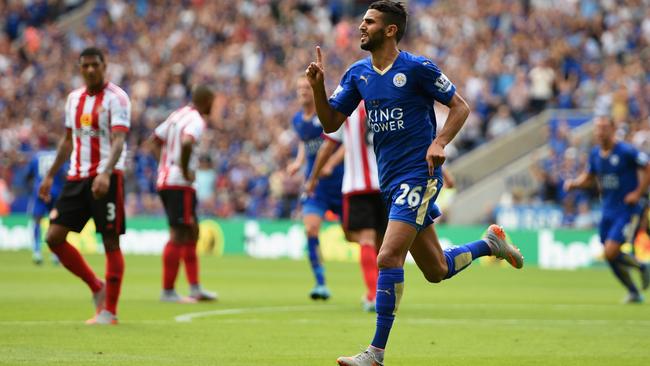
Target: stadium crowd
{"x":510,"y":59}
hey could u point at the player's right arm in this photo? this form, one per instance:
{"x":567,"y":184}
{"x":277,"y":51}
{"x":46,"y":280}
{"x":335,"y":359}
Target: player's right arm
{"x":295,"y":165}
{"x":322,"y":157}
{"x":587,"y":178}
{"x":584,"y":180}
{"x":158,"y":138}
{"x":155,"y":144}
{"x":330,"y":118}
{"x":62,"y":154}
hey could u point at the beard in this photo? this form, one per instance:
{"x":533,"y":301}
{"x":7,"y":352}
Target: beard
{"x":372,"y":43}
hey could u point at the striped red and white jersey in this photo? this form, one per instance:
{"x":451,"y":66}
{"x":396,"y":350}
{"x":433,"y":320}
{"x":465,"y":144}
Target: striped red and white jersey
{"x":185,"y":121}
{"x":92,"y":118}
{"x":360,"y":162}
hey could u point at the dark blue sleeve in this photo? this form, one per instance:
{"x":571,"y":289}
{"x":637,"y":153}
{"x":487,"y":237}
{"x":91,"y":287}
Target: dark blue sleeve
{"x":63,"y":170}
{"x":31,"y":170}
{"x":346,"y":97}
{"x":433,"y":82}
{"x":591,"y":162}
{"x":294,"y":124}
{"x":639,"y":158}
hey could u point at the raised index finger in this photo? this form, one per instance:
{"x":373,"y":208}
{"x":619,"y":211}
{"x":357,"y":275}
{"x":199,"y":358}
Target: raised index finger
{"x":319,"y":56}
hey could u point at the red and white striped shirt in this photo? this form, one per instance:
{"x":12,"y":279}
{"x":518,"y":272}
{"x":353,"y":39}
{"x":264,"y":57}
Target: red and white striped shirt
{"x":361,"y":174}
{"x":92,"y":118}
{"x":185,"y":121}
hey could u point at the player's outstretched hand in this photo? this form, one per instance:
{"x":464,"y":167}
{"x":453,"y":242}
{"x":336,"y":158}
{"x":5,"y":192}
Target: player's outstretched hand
{"x":632,"y":198}
{"x":293,"y":168}
{"x":435,"y":156}
{"x":315,"y":71}
{"x":44,"y":189}
{"x":189,"y":176}
{"x":100,"y":185}
{"x":568,"y":185}
{"x":326,"y":171}
{"x":310,"y":187}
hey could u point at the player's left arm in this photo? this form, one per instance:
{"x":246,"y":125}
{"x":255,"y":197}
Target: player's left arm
{"x":644,"y":179}
{"x":334,"y":160}
{"x":155,"y":144}
{"x":187,"y":144}
{"x":120,"y":124}
{"x":323,"y":156}
{"x":102,"y":181}
{"x":190,"y":137}
{"x":458,"y":112}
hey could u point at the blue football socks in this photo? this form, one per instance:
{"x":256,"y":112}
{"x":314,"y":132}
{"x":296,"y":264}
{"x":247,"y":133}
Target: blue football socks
{"x":621,"y":271}
{"x":37,"y":237}
{"x":314,"y":259}
{"x":629,"y":260}
{"x":390,"y":286}
{"x":460,"y":257}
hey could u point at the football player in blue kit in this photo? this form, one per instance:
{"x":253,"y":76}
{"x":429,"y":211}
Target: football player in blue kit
{"x":37,"y":208}
{"x":399,"y":90}
{"x":327,"y":195}
{"x":615,"y":165}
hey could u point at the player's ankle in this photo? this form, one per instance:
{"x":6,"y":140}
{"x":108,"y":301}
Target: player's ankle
{"x":377,"y":352}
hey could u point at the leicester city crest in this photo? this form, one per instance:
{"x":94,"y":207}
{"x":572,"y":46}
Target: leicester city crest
{"x":399,"y":80}
{"x":613,"y":160}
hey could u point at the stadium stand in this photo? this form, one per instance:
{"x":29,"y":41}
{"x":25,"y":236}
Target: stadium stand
{"x":510,"y":59}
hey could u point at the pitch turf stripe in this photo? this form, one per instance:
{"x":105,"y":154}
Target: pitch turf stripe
{"x":73,"y":322}
{"x":505,"y":321}
{"x":511,"y":306}
{"x":277,"y":309}
{"x":412,"y":321}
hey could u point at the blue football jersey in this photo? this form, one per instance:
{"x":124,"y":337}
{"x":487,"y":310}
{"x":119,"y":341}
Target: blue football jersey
{"x":310,"y":133}
{"x":399,"y":103}
{"x":617,"y":175}
{"x":39,"y":166}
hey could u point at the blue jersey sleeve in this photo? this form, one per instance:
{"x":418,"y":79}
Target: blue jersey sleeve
{"x":639,"y":157}
{"x":433,"y":82}
{"x":32,"y":168}
{"x":591,"y":163}
{"x":294,"y":121}
{"x":346,"y":97}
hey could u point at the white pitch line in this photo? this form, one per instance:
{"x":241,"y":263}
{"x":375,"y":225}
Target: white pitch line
{"x":188,"y":317}
{"x":74,"y":322}
{"x":184,"y":318}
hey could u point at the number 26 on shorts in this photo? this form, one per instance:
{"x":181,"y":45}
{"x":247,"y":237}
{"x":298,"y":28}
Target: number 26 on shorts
{"x":413,"y":195}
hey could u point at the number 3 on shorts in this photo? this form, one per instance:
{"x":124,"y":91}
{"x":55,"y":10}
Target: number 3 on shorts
{"x":110,"y":211}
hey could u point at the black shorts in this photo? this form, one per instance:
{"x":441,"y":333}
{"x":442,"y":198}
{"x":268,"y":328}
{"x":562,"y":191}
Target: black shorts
{"x":76,"y":206}
{"x":364,"y":211}
{"x":180,"y":206}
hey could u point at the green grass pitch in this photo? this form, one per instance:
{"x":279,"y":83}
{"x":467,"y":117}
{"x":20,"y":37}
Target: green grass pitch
{"x":484,"y":316}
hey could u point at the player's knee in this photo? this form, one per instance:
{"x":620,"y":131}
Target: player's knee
{"x":387,"y":259}
{"x":111,"y":242}
{"x":612,"y":251}
{"x":312,"y":230}
{"x":611,"y":255}
{"x":53,"y":238}
{"x":436,"y":275}
{"x":438,"y":272}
